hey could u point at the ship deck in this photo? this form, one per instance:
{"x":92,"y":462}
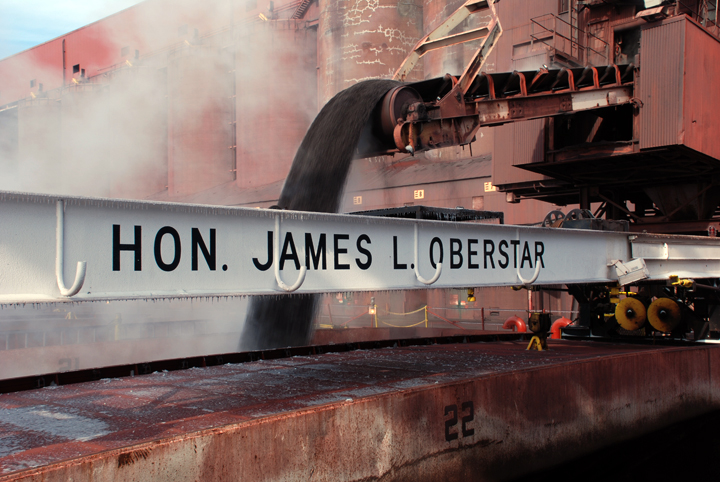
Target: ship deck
{"x":473,"y":411}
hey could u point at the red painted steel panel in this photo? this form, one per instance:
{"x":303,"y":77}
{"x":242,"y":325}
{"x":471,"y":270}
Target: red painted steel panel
{"x":714,"y":383}
{"x":677,"y":69}
{"x":529,"y":142}
{"x":276,"y":84}
{"x":42,"y":64}
{"x":517,"y":144}
{"x":447,"y":412}
{"x":366,"y":176}
{"x":517,"y":13}
{"x":200,"y":119}
{"x":513,"y":47}
{"x":661,"y":83}
{"x":39,"y":135}
{"x":700,"y":98}
{"x":150,"y":27}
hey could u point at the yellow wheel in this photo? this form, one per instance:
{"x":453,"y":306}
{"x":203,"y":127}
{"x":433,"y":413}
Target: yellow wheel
{"x":664,"y":314}
{"x":630,"y":313}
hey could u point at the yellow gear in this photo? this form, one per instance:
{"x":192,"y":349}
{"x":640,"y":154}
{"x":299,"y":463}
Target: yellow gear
{"x":664,"y":314}
{"x":630,"y":313}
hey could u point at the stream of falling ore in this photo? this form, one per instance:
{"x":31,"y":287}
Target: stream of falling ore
{"x":315,"y":183}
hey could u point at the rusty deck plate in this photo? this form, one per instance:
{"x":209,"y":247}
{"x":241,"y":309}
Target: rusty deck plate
{"x":465,"y":410}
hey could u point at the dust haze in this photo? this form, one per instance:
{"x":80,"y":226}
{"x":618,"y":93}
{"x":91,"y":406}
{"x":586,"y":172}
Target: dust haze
{"x":176,"y":114}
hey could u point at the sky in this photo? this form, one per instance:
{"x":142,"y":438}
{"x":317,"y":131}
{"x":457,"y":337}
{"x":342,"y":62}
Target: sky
{"x":26,"y":23}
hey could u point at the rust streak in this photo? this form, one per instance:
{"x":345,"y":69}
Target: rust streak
{"x":130,"y":458}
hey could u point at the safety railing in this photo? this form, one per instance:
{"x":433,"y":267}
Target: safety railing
{"x":563,"y":37}
{"x":338,"y":316}
{"x":331,"y":316}
{"x":424,"y":321}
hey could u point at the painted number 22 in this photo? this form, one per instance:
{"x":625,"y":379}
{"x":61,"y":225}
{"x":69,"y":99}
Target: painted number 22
{"x":453,"y":420}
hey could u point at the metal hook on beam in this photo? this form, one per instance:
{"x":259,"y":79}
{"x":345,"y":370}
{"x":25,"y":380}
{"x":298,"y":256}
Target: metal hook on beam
{"x":438,"y":268}
{"x":530,"y":281}
{"x":527,"y":282}
{"x":60,"y":255}
{"x":276,"y":255}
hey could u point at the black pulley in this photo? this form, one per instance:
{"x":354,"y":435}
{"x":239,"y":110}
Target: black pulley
{"x":395,"y":106}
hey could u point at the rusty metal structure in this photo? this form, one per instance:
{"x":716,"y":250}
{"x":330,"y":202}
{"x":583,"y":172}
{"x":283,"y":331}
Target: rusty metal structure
{"x":558,"y":57}
{"x":599,"y":103}
{"x":665,"y":136}
{"x":598,"y":126}
{"x":654,"y":162}
{"x":550,"y":45}
{"x":172,"y":101}
{"x":635,"y":53}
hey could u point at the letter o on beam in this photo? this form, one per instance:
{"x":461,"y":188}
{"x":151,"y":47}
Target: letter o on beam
{"x":432,"y":245}
{"x":158,"y":251}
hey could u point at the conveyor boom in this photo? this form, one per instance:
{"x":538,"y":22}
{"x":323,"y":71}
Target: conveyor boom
{"x":147,"y":250}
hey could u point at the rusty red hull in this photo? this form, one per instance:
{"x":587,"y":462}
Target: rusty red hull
{"x":482,"y":411}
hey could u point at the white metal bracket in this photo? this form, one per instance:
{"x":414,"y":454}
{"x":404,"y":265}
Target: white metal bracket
{"x":276,"y":254}
{"x":60,"y":255}
{"x":631,"y":271}
{"x":438,"y":267}
{"x":528,"y":282}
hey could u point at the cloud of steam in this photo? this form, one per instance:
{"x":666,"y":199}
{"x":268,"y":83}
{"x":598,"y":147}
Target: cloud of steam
{"x":180,"y":88}
{"x":177,"y":89}
{"x":90,"y":139}
{"x":60,"y":338}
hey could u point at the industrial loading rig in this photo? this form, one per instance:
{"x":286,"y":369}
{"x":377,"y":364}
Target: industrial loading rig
{"x":621,"y":277}
{"x":605,"y":134}
{"x":144,"y":250}
{"x":429,"y":409}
